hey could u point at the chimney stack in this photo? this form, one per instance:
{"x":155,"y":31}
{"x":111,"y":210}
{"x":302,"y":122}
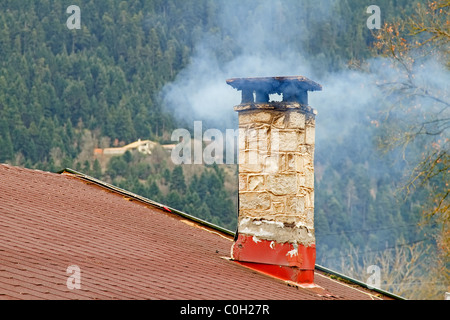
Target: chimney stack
{"x":276,"y":177}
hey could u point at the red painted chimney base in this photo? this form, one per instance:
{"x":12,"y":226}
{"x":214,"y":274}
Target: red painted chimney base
{"x":294,"y":274}
{"x":282,"y":260}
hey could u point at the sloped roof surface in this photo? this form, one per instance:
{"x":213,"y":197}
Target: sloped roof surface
{"x":124,"y":248}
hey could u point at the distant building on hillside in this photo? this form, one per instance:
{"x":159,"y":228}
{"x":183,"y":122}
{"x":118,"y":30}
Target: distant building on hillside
{"x":142,"y":146}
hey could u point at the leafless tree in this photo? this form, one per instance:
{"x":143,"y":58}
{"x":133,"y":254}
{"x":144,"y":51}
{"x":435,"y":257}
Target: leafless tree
{"x":418,"y":111}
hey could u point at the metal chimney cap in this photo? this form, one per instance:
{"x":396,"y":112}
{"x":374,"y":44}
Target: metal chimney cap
{"x":272,"y":85}
{"x":293,"y":89}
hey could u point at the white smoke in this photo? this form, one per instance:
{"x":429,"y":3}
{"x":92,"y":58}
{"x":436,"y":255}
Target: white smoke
{"x":261,"y":39}
{"x":200,"y":92}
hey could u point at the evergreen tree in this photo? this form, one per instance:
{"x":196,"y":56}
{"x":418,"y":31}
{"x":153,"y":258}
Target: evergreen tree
{"x":97,"y":169}
{"x":177,"y":180}
{"x":174,"y":200}
{"x":154,"y":192}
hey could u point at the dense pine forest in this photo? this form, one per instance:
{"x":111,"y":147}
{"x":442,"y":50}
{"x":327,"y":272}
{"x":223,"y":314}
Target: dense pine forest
{"x":64,"y":93}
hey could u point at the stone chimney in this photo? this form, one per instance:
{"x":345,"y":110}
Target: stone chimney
{"x":276,"y":177}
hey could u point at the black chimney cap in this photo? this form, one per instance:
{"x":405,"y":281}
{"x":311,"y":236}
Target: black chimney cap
{"x":293,"y":88}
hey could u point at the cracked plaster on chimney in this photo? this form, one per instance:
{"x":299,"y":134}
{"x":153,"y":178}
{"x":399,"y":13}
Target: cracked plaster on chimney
{"x":270,"y":230}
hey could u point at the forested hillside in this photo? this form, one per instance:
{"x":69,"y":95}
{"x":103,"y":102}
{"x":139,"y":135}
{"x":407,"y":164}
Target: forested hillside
{"x":65,"y":92}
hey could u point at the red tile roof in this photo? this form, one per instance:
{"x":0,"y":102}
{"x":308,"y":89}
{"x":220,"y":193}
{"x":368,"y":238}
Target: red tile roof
{"x":125,"y":248}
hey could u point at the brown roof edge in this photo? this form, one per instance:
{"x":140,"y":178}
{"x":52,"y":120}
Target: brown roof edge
{"x":207,"y":224}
